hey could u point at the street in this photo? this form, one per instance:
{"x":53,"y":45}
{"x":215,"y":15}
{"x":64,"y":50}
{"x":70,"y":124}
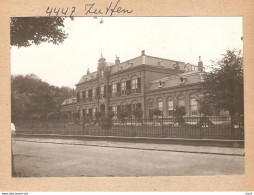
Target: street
{"x":35,"y":157}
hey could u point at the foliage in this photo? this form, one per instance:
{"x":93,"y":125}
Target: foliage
{"x":223,"y":87}
{"x":122,"y":114}
{"x":178,"y":113}
{"x":33,"y":99}
{"x":97,"y":114}
{"x":26,"y":31}
{"x":76,"y":116}
{"x":156,"y":112}
{"x":138,"y":113}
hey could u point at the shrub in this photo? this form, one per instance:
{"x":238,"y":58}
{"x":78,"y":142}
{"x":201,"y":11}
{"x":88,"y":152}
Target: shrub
{"x":157,"y":112}
{"x":137,"y":113}
{"x":122,"y":114}
{"x":178,"y":113}
{"x":97,"y":116}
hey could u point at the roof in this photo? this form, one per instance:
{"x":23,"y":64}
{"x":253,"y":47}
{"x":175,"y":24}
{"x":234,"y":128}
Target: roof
{"x":193,"y":77}
{"x":88,"y":77}
{"x":134,"y":62}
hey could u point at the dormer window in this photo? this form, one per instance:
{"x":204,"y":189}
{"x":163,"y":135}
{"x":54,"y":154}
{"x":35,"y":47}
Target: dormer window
{"x":182,"y":80}
{"x":161,"y":84}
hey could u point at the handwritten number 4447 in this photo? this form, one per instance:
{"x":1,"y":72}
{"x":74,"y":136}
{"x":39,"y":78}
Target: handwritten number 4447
{"x":58,"y":11}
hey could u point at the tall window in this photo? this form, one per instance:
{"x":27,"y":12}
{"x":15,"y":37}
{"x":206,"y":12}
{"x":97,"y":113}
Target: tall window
{"x":102,"y":72}
{"x":160,"y":106}
{"x":102,"y":91}
{"x":134,"y":106}
{"x":170,"y":107}
{"x":134,"y":85}
{"x":114,"y":109}
{"x":181,"y":101}
{"x":94,"y":110}
{"x":114,"y":89}
{"x":193,"y":106}
{"x":123,"y":88}
{"x":80,"y":94}
{"x":93,"y":93}
{"x":150,"y":109}
{"x":87,"y":93}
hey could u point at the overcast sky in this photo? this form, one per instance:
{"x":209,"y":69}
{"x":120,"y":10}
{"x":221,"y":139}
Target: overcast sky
{"x":176,"y":38}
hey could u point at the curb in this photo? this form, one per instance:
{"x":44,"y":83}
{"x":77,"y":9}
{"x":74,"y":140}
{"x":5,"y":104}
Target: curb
{"x":177,"y":141}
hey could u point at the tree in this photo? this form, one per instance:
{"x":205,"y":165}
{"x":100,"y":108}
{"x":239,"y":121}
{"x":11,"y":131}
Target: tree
{"x":33,"y":99}
{"x":122,"y":114}
{"x":178,"y":113}
{"x":138,"y":113}
{"x":26,"y":31}
{"x":223,"y":86}
{"x":157,"y":112}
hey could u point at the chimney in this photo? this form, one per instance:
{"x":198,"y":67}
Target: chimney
{"x":88,"y":72}
{"x":143,"y":52}
{"x":117,"y":61}
{"x":200,"y":65}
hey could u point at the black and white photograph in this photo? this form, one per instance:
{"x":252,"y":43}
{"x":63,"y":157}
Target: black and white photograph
{"x":126,"y":96}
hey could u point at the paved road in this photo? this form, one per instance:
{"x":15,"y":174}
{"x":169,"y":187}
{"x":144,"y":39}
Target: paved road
{"x":40,"y":158}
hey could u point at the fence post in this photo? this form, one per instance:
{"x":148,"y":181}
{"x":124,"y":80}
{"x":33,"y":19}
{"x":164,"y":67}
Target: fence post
{"x":162,"y":126}
{"x":83,"y":125}
{"x":200,"y":127}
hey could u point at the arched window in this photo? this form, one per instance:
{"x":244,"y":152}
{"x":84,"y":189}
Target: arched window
{"x":114,"y":109}
{"x":160,"y":104}
{"x":193,"y":106}
{"x":181,"y":101}
{"x":170,"y":106}
{"x":150,"y":109}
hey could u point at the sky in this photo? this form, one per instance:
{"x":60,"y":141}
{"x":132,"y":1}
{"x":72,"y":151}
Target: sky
{"x":176,"y":38}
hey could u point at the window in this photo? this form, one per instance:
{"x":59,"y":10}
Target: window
{"x":94,"y":110}
{"x":114,"y":89}
{"x":114,"y":109}
{"x":123,"y":88}
{"x":86,"y":93}
{"x":193,"y":106}
{"x":80,"y":94}
{"x":160,"y":106}
{"x":134,"y":85}
{"x":134,"y":106}
{"x":102,"y":91}
{"x":150,"y":105}
{"x":93,"y":93}
{"x":170,"y":107}
{"x":90,"y":94}
{"x":181,"y":101}
{"x":102,"y":72}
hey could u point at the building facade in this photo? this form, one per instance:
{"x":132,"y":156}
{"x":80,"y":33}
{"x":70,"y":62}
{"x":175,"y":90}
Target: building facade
{"x":144,"y":82}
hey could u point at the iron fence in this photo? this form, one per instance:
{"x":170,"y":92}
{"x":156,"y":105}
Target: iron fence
{"x":187,"y":127}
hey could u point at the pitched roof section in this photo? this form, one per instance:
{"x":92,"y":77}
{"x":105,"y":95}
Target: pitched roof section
{"x":182,"y":79}
{"x":88,"y":77}
{"x":148,"y":60}
{"x":140,"y":60}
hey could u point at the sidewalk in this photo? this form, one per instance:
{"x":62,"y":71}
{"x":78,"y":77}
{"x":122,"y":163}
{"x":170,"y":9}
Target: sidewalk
{"x":139,"y":146}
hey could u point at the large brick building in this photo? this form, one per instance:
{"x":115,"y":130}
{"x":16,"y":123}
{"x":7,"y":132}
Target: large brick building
{"x":146,"y":82}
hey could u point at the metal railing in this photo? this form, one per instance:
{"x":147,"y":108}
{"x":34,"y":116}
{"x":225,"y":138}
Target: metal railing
{"x":187,"y":127}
